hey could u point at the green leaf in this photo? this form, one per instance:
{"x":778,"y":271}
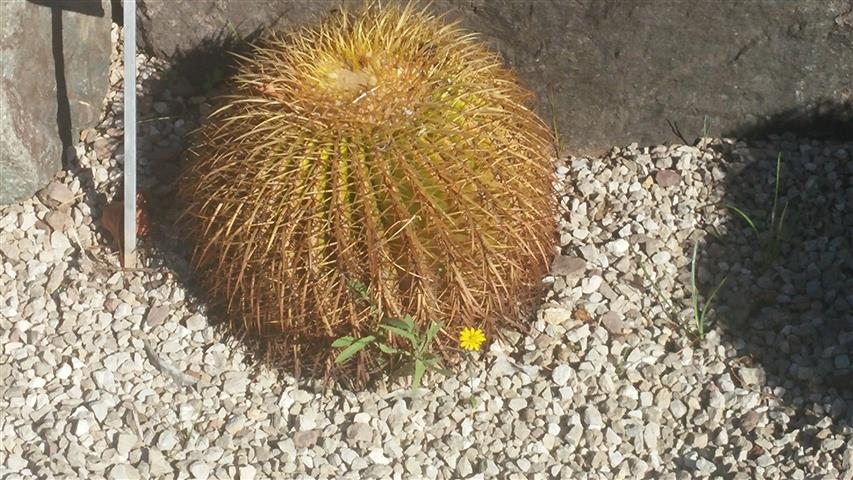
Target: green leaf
{"x":713,"y":294}
{"x":343,"y":342}
{"x":418,"y":376}
{"x":387,"y":348}
{"x":408,"y":320}
{"x":354,"y":348}
{"x":396,"y":322}
{"x":358,"y":288}
{"x":399,"y":331}
{"x":430,"y":333}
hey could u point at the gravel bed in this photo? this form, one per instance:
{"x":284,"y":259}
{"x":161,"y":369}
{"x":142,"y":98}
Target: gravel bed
{"x":120,"y":375}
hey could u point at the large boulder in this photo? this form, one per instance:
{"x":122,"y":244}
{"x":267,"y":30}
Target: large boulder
{"x":608,"y":72}
{"x":55,"y":59}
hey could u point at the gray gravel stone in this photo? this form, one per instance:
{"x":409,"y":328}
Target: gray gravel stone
{"x":568,"y":266}
{"x":306,"y":439}
{"x":359,"y":432}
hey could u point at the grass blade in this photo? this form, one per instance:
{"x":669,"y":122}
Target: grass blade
{"x":744,"y":216}
{"x":430,"y":333}
{"x":354,"y":348}
{"x":417,"y":377}
{"x":697,"y":317}
{"x":778,"y":227}
{"x":711,"y":298}
{"x":776,"y":189}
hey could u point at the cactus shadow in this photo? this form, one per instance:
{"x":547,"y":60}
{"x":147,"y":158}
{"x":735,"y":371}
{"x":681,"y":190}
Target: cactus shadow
{"x":786,"y":305}
{"x":171,"y":106}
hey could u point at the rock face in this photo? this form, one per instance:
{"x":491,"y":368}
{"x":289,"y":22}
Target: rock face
{"x":611,"y":72}
{"x":55,"y":58}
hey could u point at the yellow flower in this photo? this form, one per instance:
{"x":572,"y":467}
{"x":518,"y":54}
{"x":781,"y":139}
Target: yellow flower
{"x":471,"y":338}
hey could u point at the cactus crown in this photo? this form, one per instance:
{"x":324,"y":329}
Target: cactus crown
{"x":383,"y":147}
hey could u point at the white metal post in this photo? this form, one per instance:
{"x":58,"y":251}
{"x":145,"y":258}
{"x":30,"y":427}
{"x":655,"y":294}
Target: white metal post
{"x":129,"y":225}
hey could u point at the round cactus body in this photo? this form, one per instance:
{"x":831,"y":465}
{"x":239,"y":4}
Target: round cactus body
{"x":385,"y":149}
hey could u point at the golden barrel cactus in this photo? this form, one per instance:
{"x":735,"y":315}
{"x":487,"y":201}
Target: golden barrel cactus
{"x":382,"y":147}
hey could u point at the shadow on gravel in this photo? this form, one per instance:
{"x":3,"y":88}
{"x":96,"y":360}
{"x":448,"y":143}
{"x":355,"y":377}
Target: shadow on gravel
{"x":787,"y":303}
{"x":172,"y":103}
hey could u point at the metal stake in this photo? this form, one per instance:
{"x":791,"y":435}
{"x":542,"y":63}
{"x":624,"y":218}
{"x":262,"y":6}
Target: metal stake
{"x":129,"y":225}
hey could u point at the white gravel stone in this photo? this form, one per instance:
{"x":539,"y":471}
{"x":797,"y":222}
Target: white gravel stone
{"x":167,"y":440}
{"x":618,"y":247}
{"x":247,"y":472}
{"x":196,"y":323}
{"x":157,"y":463}
{"x":592,"y":418}
{"x":16,"y":463}
{"x":124,"y":442}
{"x":562,"y":374}
{"x":81,"y":427}
{"x":123,"y":471}
{"x":200,"y":470}
{"x":236,"y":383}
{"x":591,"y":284}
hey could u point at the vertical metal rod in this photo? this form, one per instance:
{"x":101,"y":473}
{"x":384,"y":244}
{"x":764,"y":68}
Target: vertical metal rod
{"x":129,"y":225}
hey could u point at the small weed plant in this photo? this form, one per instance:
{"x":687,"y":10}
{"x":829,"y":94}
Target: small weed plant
{"x":770,"y":232}
{"x":415,"y":358}
{"x":700,"y":310}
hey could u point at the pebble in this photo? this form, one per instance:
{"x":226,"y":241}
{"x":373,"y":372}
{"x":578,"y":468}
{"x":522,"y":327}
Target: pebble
{"x":591,"y":284}
{"x":359,"y":432}
{"x":592,"y":418}
{"x":157,"y":463}
{"x":667,"y":178}
{"x":568,"y":266}
{"x":200,"y":470}
{"x":561,"y":374}
{"x":167,"y":440}
{"x":236,"y":383}
{"x":677,"y":408}
{"x":752,"y":376}
{"x":196,"y":323}
{"x":661,"y":258}
{"x":59,"y":193}
{"x":612,"y":321}
{"x":124,"y":442}
{"x":123,"y":471}
{"x":618,"y":247}
{"x":247,"y":472}
{"x":59,"y":242}
{"x":306,"y":438}
{"x":81,"y":427}
{"x":156,"y":315}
